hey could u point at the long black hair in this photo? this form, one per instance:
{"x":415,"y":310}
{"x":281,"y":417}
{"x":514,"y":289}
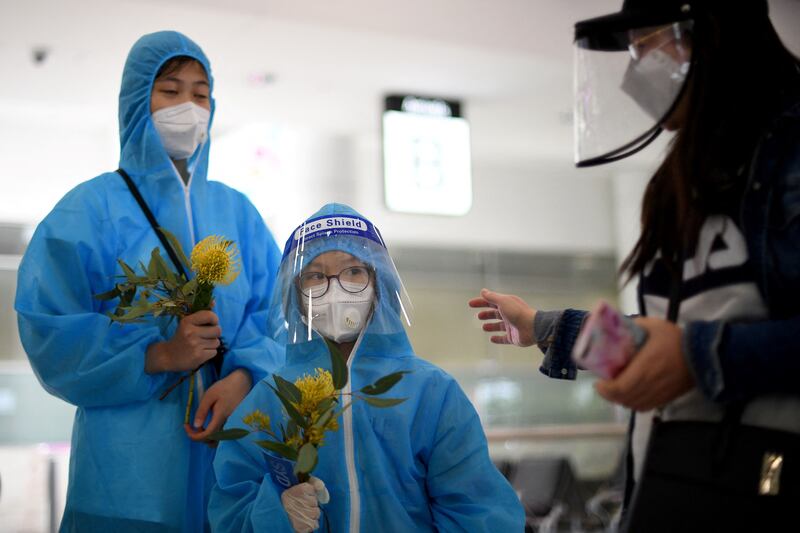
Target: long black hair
{"x":742,"y":76}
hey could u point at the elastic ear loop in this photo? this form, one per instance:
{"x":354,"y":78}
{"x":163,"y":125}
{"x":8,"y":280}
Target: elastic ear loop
{"x":308,"y":318}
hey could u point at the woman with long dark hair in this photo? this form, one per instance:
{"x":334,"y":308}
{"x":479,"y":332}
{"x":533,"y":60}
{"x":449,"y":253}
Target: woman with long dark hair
{"x":717,"y":261}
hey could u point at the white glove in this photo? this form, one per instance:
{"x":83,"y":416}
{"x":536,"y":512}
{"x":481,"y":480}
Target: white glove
{"x":302,"y":504}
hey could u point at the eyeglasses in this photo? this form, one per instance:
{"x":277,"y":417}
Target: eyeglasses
{"x":644,"y":40}
{"x":353,"y":279}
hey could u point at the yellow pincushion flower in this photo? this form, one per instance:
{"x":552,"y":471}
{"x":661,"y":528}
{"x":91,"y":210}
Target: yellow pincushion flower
{"x":314,"y":389}
{"x":295,"y":441}
{"x":315,"y":436}
{"x":215,"y":261}
{"x":257,"y":420}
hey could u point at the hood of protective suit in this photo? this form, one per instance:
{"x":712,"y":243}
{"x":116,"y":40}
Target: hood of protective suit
{"x":384,"y":334}
{"x":142,"y":152}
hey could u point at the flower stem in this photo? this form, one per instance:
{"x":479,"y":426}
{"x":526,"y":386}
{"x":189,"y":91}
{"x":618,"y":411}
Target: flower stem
{"x":191,"y":397}
{"x":202,"y":299}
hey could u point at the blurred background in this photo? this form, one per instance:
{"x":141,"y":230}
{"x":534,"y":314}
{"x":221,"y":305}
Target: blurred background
{"x":300,"y":90}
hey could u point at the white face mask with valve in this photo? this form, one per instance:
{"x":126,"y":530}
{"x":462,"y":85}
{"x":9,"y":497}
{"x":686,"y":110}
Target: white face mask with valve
{"x":339,"y":315}
{"x":182,"y":128}
{"x":655,"y":81}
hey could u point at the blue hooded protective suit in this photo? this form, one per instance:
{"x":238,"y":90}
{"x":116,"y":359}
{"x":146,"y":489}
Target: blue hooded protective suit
{"x":132,"y":466}
{"x":422,"y":465}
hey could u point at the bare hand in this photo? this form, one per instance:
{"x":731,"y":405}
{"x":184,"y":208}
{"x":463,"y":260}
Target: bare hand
{"x":194,"y":342}
{"x":514,"y":315}
{"x":221,"y":399}
{"x":656,"y":375}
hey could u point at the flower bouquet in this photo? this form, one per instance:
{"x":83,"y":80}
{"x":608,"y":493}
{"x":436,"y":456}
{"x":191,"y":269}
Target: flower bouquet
{"x":160,"y":291}
{"x":312,"y":404}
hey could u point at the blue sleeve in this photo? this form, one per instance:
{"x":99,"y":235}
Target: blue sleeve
{"x":739,"y":361}
{"x":558,"y":361}
{"x":253,"y":348}
{"x":244,"y":498}
{"x":467,"y":491}
{"x":76,"y":352}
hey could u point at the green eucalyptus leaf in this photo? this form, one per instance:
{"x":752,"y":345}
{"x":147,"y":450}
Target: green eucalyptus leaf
{"x":383,"y":402}
{"x":229,"y":434}
{"x":166,"y":273}
{"x":293,"y":413}
{"x":176,"y":245}
{"x":135,"y":313}
{"x":129,"y":273}
{"x":288,"y":389}
{"x":190,"y":287}
{"x":280,"y":448}
{"x":142,"y":301}
{"x":306,"y":459}
{"x":338,"y":366}
{"x":291,"y":429}
{"x":325,"y":404}
{"x":109,"y":295}
{"x":324,"y":418}
{"x":384,"y":384}
{"x":125,"y":301}
{"x":152,"y":268}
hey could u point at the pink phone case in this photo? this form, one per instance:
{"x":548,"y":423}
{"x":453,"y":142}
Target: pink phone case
{"x":607,"y":341}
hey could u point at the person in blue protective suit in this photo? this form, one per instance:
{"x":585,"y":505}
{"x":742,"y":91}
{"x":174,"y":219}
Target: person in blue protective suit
{"x":133,"y":468}
{"x":422,"y":465}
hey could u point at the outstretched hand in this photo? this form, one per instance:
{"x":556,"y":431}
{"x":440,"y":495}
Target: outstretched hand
{"x":656,"y":375}
{"x":512,"y":315}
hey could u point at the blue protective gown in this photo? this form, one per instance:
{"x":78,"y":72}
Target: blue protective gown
{"x":132,"y":467}
{"x":419,"y":466}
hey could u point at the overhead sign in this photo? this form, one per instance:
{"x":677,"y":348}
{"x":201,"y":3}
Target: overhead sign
{"x":426,"y":156}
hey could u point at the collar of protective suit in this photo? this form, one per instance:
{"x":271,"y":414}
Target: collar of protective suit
{"x":142,"y":154}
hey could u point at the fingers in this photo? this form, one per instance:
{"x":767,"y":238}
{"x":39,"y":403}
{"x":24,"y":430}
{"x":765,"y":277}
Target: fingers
{"x":630,"y":388}
{"x":301,"y":505}
{"x":496,"y":339}
{"x":214,"y":425}
{"x":209,"y":398}
{"x":209,"y":333}
{"x":323,"y":496}
{"x":479,"y":302}
{"x":494,"y":326}
{"x":608,"y":389}
{"x":488,"y":296}
{"x":202,"y":318}
{"x":489,"y":315}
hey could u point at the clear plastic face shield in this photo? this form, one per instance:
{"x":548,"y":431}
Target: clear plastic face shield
{"x":628,"y":82}
{"x":337,"y":280}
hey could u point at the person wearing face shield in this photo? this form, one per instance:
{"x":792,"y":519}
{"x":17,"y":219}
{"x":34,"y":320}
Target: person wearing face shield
{"x":716,"y":262}
{"x":422,"y":465}
{"x":133,"y":466}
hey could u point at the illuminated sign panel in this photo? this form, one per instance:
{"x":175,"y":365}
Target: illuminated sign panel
{"x":426,"y":156}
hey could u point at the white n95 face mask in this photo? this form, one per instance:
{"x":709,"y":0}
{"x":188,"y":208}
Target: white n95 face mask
{"x":654,"y":82}
{"x":182,"y":128}
{"x":339,"y":315}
